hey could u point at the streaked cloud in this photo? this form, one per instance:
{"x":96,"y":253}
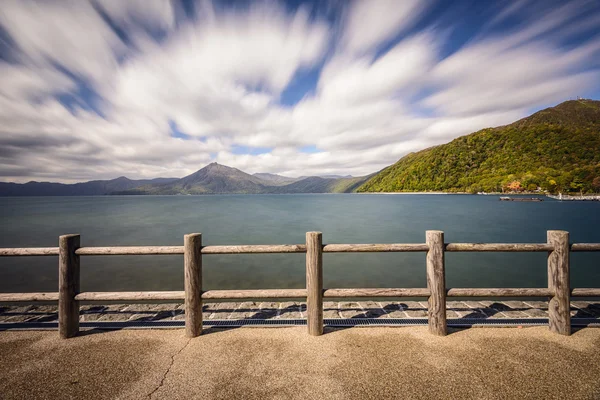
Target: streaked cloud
{"x":152,"y":88}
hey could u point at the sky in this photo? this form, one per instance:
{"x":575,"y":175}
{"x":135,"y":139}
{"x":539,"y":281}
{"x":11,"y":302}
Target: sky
{"x":143,"y":88}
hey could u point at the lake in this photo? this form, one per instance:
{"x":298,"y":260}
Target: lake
{"x":284,"y":219}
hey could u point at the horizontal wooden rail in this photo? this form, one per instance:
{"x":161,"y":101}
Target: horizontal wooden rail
{"x":130,"y":296}
{"x":255,"y":249}
{"x":585,"y":292}
{"x":254,"y":294}
{"x":498,"y":247}
{"x":401,"y":292}
{"x":585,"y":247}
{"x":180,"y":295}
{"x":499,"y":292}
{"x":374,"y":248}
{"x":129,"y":250}
{"x":29,"y":251}
{"x":18,"y":297}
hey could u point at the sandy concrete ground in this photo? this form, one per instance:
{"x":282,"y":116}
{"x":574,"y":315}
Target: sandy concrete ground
{"x":286,"y":363}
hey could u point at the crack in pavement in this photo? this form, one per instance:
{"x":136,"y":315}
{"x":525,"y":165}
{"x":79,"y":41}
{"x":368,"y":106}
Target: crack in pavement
{"x":164,"y":377}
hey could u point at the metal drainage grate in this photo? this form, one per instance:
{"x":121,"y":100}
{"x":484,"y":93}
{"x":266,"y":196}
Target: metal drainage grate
{"x":454,"y":322}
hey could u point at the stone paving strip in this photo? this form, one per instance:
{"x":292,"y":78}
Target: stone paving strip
{"x":297,"y":310}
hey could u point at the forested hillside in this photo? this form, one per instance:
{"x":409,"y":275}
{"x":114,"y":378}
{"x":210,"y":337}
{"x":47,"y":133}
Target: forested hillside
{"x":556,"y":149}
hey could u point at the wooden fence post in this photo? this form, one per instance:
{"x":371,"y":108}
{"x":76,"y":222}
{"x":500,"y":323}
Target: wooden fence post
{"x":436,"y":283}
{"x":192,"y":259}
{"x":314,"y":282}
{"x":559,"y":305}
{"x":68,"y":286}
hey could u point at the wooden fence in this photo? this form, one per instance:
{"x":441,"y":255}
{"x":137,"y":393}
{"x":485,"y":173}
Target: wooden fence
{"x":69,"y":294}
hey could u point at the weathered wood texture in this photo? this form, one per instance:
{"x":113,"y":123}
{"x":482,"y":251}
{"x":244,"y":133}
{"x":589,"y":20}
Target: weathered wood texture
{"x":29,"y":251}
{"x":255,"y":249}
{"x":585,"y":292}
{"x":254,"y":294}
{"x":192,"y":259}
{"x":436,"y":283}
{"x":130,"y":296}
{"x":559,"y":314}
{"x":68,"y":286}
{"x":314,"y":282}
{"x":180,"y":295}
{"x":585,"y":247}
{"x":379,"y":292}
{"x":17,"y":297}
{"x":129,"y":250}
{"x":498,"y":247}
{"x":499,"y":292}
{"x":374,"y":248}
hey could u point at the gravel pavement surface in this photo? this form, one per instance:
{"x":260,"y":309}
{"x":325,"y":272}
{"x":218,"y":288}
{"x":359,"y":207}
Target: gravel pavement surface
{"x":287,"y":363}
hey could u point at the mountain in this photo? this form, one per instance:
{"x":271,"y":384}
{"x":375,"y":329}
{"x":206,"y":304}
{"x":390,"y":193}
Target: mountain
{"x":212,"y":179}
{"x":327,"y":176}
{"x":219,"y":179}
{"x":556,"y":149}
{"x":274,"y":179}
{"x":317,"y":184}
{"x":91,"y":188}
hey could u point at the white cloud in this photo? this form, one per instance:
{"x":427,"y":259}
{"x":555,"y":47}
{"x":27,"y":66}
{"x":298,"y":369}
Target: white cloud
{"x":369,"y":23}
{"x":221,"y":75}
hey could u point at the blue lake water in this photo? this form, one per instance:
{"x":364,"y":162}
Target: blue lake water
{"x":279,"y":219}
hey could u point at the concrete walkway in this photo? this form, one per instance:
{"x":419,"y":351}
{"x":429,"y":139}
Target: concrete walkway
{"x":286,"y":363}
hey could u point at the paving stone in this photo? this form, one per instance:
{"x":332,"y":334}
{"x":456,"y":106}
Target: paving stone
{"x":415,"y":309}
{"x":39,"y":313}
{"x":464,"y":311}
{"x":267,"y":310}
{"x":478,"y":307}
{"x":474,"y":304}
{"x":473,"y":314}
{"x":497,"y":315}
{"x":91,"y":313}
{"x":351,"y":309}
{"x":518,"y":313}
{"x":222,"y":310}
{"x":451,"y":314}
{"x":330,"y":310}
{"x":246,"y":310}
{"x":150,"y":312}
{"x":582,"y":313}
{"x":17,"y":314}
{"x":291,"y":310}
{"x":594,"y":308}
{"x":455,"y":304}
{"x":372,"y":309}
{"x":583,"y":304}
{"x":542,"y":305}
{"x":514,"y":304}
{"x":209,"y":311}
{"x":395,"y":309}
{"x":115,"y":317}
{"x":535,"y":313}
{"x":179,"y":312}
{"x":496,"y":305}
{"x":586,"y":309}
